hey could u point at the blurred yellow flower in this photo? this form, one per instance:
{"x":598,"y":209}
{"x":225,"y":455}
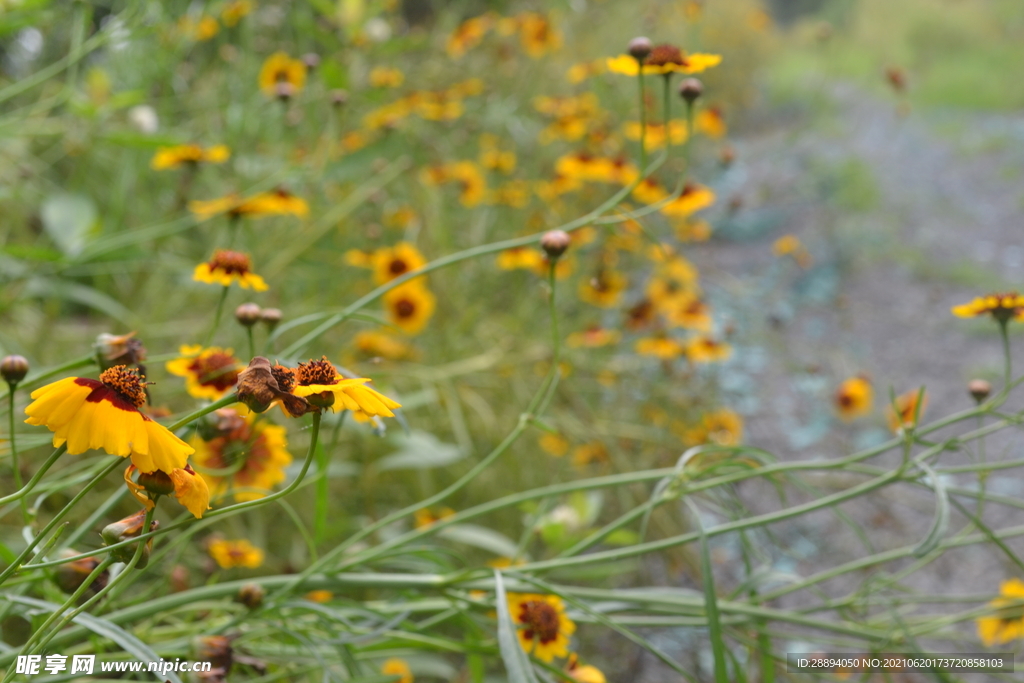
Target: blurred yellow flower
{"x":657,"y":133}
{"x":903,"y":417}
{"x":578,"y":73}
{"x":242,"y":455}
{"x":468,"y":35}
{"x":665,"y":348}
{"x":397,"y":667}
{"x":319,"y":596}
{"x":605,"y":289}
{"x":520,"y":258}
{"x":854,"y":398}
{"x":227,"y":267}
{"x":583,"y":673}
{"x":703,"y":349}
{"x":380,"y":345}
{"x":425,"y":517}
{"x":554,"y":444}
{"x":391,"y":262}
{"x":650,"y":191}
{"x":688,"y":312}
{"x":588,"y":453}
{"x":592,"y":338}
{"x":1002,"y":307}
{"x":200,"y":29}
{"x":537,"y":34}
{"x":234,"y":11}
{"x":1008,"y":623}
{"x":386,"y":77}
{"x":693,"y":198}
{"x":711,"y":122}
{"x":280,"y":68}
{"x":664,"y":59}
{"x":180,"y":155}
{"x":542,"y":626}
{"x":410,"y":307}
{"x":209,"y":373}
{"x":231,"y":554}
{"x":279,"y":202}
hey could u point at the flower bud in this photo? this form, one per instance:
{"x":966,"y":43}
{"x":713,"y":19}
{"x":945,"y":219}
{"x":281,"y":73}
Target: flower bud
{"x":69,"y":576}
{"x":284,"y":91}
{"x":640,"y":47}
{"x":248,"y":314}
{"x":311,"y":60}
{"x":339,"y":97}
{"x":125,"y":529}
{"x":690,"y":89}
{"x":555,"y":242}
{"x":14,"y":369}
{"x":214,"y":649}
{"x":979,"y":389}
{"x":251,"y":595}
{"x":271,"y":317}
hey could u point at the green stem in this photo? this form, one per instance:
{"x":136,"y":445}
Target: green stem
{"x":643,"y":115}
{"x":666,"y":112}
{"x":688,"y":145}
{"x":24,"y":491}
{"x":1004,"y":333}
{"x":59,"y":370}
{"x":252,"y":342}
{"x":15,"y":466}
{"x":217,"y":315}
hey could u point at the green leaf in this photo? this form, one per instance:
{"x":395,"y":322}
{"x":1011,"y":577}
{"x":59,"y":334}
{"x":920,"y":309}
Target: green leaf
{"x":68,"y":219}
{"x":941,"y":521}
{"x":516,"y":664}
{"x":622,"y":537}
{"x":480,"y":537}
{"x":711,"y":601}
{"x":420,"y":451}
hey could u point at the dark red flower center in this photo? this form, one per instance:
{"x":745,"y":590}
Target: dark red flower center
{"x":665,"y":54}
{"x":405,"y":308}
{"x":397,"y":266}
{"x":124,"y":387}
{"x":230,"y":262}
{"x":540,"y":619}
{"x":316,"y":372}
{"x":285,"y":377}
{"x":218,"y":370}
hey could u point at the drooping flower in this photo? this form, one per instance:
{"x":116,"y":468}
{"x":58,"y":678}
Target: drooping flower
{"x":397,"y":667}
{"x":180,"y":155}
{"x":853,"y":398}
{"x":226,"y":267}
{"x":244,"y":456}
{"x":1007,"y":624}
{"x":664,"y":59}
{"x":906,"y":410}
{"x":409,"y":307}
{"x":319,"y":382}
{"x":230,"y":554}
{"x":209,"y":373}
{"x":86,"y":413}
{"x":183,"y":484}
{"x":542,"y":625}
{"x":280,"y":68}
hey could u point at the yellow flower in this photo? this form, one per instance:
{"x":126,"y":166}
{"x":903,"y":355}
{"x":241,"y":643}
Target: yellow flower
{"x":587,"y":453}
{"x":183,"y":484}
{"x":86,"y":413}
{"x":468,"y":35}
{"x":319,"y":382}
{"x":234,"y":11}
{"x":519,"y":258}
{"x":514,"y":193}
{"x":173,"y":157}
{"x":494,"y":159}
{"x":380,"y":345}
{"x":1007,"y":624}
{"x":397,"y":667}
{"x":425,"y":517}
{"x":701,"y":349}
{"x":693,"y":230}
{"x":674,"y":281}
{"x":723,"y":427}
{"x":280,"y":68}
{"x":664,"y":59}
{"x":906,"y":408}
{"x":203,"y":29}
{"x":604,"y":289}
{"x":392,"y":262}
{"x":241,"y":454}
{"x":209,"y":373}
{"x":277,"y":203}
{"x":386,"y":77}
{"x":711,"y":122}
{"x":790,"y":245}
{"x":578,"y":73}
{"x":543,"y":628}
{"x":661,"y":347}
{"x":537,"y":35}
{"x":388,"y":116}
{"x":554,"y":444}
{"x":240,"y":553}
{"x":656,"y":133}
{"x":649,"y":191}
{"x":583,"y":673}
{"x":227,"y":267}
{"x":410,"y":307}
{"x":319,"y":596}
{"x":688,"y":312}
{"x":854,"y":398}
{"x":592,"y":338}
{"x":589,"y":168}
{"x":1002,"y":307}
{"x":693,"y":198}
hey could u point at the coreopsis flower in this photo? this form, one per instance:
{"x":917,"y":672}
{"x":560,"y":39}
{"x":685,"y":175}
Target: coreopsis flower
{"x":279,"y":202}
{"x":664,"y":59}
{"x":906,"y":410}
{"x":690,"y":313}
{"x":241,"y":454}
{"x":320,"y":596}
{"x":587,"y":453}
{"x":1003,"y":307}
{"x":525,"y":258}
{"x":1007,"y":624}
{"x":692,"y":230}
{"x":180,"y":155}
{"x":391,"y":262}
{"x":592,"y":338}
{"x":230,"y":554}
{"x":397,"y":667}
{"x":319,"y":382}
{"x":711,"y":122}
{"x":537,"y":34}
{"x":583,"y":673}
{"x":209,"y":373}
{"x":723,"y":427}
{"x":514,"y":193}
{"x":554,"y":444}
{"x":673,"y":282}
{"x":87,"y":413}
{"x":589,"y":168}
{"x":409,"y":307}
{"x":227,"y":267}
{"x":854,"y":398}
{"x":656,"y":134}
{"x":550,"y":190}
{"x":468,"y":35}
{"x":262,"y":385}
{"x":604,"y":289}
{"x":660,"y":346}
{"x":183,"y":484}
{"x":200,"y":29}
{"x":704,"y":349}
{"x":386,"y":77}
{"x":543,"y":627}
{"x":381,"y":345}
{"x":790,"y":245}
{"x":493,"y":158}
{"x":426,"y":517}
{"x":234,"y":11}
{"x":578,"y":73}
{"x":280,"y":68}
{"x":693,"y":198}
{"x":649,"y":191}
{"x":640,"y":315}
